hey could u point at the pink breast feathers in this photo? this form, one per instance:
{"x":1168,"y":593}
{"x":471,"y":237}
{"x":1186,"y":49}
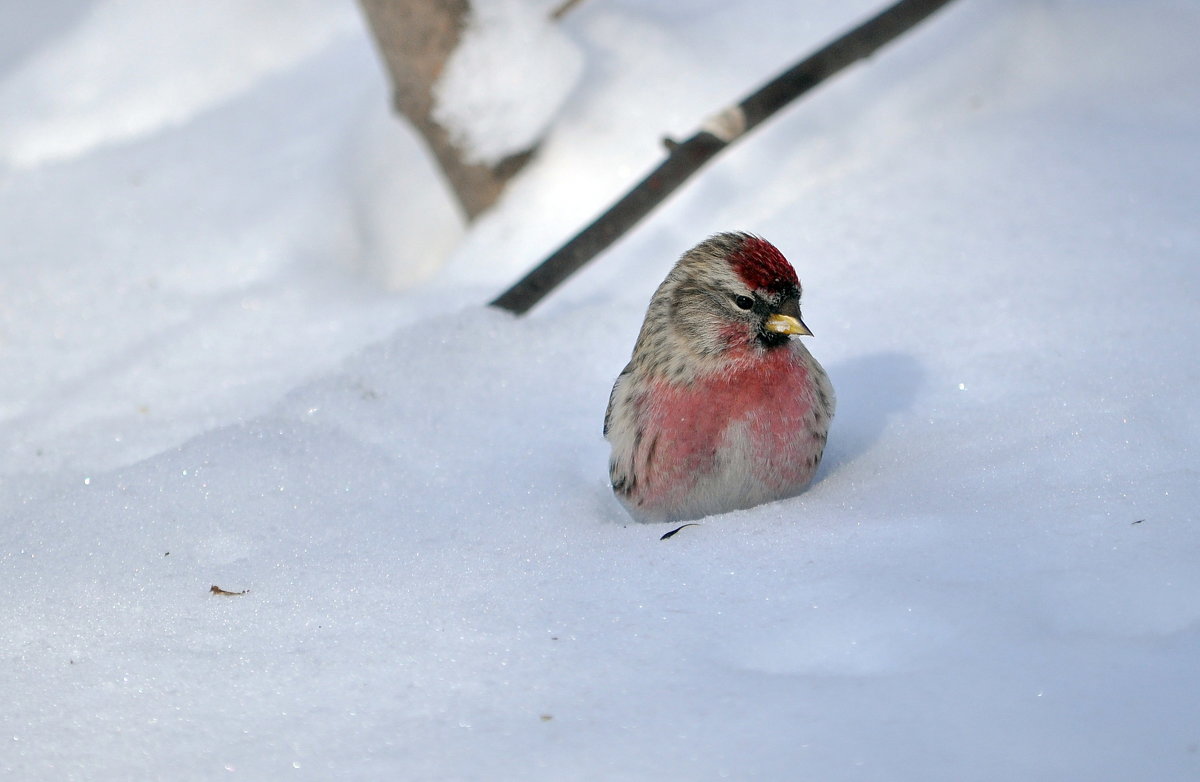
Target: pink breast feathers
{"x":696,"y":433}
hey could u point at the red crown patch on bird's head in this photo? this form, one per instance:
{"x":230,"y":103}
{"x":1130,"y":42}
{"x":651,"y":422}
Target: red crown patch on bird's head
{"x":761,"y":266}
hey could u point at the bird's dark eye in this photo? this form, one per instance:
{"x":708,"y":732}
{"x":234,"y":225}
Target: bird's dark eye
{"x":745,"y":302}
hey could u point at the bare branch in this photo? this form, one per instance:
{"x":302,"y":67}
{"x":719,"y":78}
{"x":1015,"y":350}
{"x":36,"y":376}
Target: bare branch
{"x":687,"y":157}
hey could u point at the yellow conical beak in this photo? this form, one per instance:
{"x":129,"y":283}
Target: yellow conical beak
{"x":786,"y":324}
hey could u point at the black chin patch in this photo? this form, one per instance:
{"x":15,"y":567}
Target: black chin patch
{"x":771,"y":339}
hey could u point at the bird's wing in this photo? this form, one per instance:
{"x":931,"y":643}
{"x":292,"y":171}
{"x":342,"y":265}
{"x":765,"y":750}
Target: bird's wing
{"x":622,"y":430}
{"x":612,"y":396}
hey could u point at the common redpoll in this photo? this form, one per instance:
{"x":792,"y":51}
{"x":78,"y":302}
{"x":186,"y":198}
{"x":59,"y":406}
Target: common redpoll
{"x":719,"y":408}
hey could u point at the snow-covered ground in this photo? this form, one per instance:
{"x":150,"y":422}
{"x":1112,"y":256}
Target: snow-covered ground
{"x":230,"y":355}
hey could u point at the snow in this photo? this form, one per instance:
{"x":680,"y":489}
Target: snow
{"x":230,"y":356}
{"x":506,"y":80}
{"x":127,"y":69}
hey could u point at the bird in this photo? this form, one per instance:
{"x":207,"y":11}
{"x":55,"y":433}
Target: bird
{"x":721,"y":406}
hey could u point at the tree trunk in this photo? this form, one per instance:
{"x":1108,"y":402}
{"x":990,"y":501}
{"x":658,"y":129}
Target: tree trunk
{"x":415,"y":38}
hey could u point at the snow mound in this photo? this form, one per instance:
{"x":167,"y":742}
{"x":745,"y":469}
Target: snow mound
{"x":130,"y":67}
{"x":507,"y":80}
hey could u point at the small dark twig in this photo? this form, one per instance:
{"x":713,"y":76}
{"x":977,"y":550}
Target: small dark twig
{"x":672,"y":532}
{"x":216,"y":590}
{"x":686,"y":157}
{"x":563,"y":8}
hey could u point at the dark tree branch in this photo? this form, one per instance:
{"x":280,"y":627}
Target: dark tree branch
{"x":563,"y":8}
{"x":685,"y":158}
